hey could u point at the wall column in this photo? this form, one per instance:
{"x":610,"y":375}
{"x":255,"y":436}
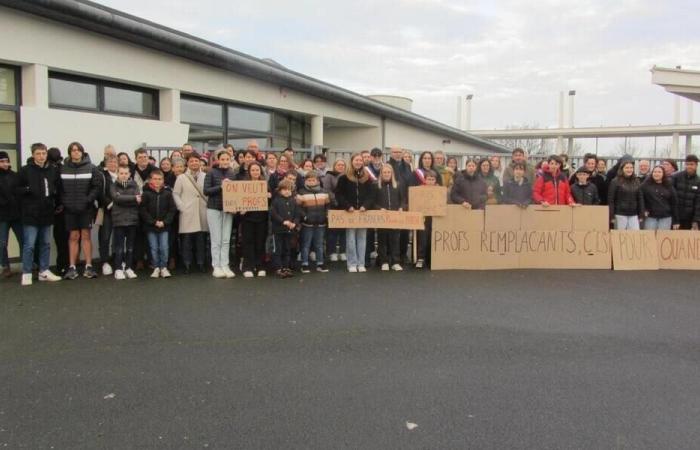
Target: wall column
{"x":317,"y":130}
{"x":35,"y":86}
{"x":169,"y":105}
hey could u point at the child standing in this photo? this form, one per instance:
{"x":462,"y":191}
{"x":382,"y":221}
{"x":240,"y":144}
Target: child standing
{"x":389,"y":196}
{"x":157,"y":214}
{"x":314,"y":201}
{"x":285,"y":219}
{"x":254,"y":230}
{"x":125,"y":218}
{"x":518,"y":190}
{"x":424,"y":235}
{"x":584,"y":193}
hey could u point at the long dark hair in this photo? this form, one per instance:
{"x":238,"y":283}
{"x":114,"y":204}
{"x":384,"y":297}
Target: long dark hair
{"x":432,"y":161}
{"x":621,"y":178}
{"x":665,"y":180}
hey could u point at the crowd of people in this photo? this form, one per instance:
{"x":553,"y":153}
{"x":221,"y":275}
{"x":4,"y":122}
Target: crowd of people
{"x":168,"y":215}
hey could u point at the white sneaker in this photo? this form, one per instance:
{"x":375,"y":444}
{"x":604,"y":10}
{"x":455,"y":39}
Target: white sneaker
{"x":130,"y":274}
{"x":352,"y":269}
{"x":247,"y":274}
{"x":373,"y":255}
{"x":119,"y":275}
{"x":47,"y":275}
{"x":334,"y":257}
{"x":361,"y":269}
{"x":385,"y":267}
{"x":228,"y":273}
{"x":262,"y":273}
{"x":397,"y":268}
{"x":165,"y":273}
{"x":26,"y":279}
{"x":106,"y":269}
{"x":156,"y":273}
{"x":218,"y":273}
{"x":343,"y":257}
{"x":419,"y":264}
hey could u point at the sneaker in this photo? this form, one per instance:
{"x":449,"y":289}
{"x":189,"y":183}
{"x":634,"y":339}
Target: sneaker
{"x":419,"y":264}
{"x":305,"y":269}
{"x":228,"y":273}
{"x":26,"y":279}
{"x":373,"y":255}
{"x":130,"y":274}
{"x":262,"y":273}
{"x":361,"y":269}
{"x":71,"y":273}
{"x":119,"y":275}
{"x":334,"y":257}
{"x":385,"y":267}
{"x":397,"y":268}
{"x":288,"y":272}
{"x":281,"y":273}
{"x":352,"y":269}
{"x":321,"y":268}
{"x":165,"y":273}
{"x":218,"y":273}
{"x":106,"y":269}
{"x":343,"y":257}
{"x":89,"y":272}
{"x":47,"y":275}
{"x":248,"y":274}
{"x":156,"y":273}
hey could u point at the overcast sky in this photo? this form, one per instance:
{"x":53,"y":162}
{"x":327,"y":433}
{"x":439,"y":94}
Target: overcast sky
{"x":514,"y":56}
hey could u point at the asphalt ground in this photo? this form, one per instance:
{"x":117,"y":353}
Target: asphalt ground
{"x":483,"y":360}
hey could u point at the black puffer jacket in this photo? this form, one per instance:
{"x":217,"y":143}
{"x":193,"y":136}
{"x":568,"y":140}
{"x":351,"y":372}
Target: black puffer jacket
{"x":81,"y":185}
{"x":38,"y":192}
{"x":625,"y":198}
{"x":470,"y":189}
{"x":9,"y":206}
{"x":660,"y":200}
{"x":106,"y":182}
{"x":354,"y":193}
{"x":586,"y":194}
{"x":125,"y":208}
{"x":212,"y":186}
{"x":157,"y":206}
{"x":688,"y":191}
{"x":283,"y":209}
{"x":389,"y":197}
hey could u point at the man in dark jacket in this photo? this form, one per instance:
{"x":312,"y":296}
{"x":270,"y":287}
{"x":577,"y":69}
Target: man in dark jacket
{"x":81,"y":186}
{"x":687,"y":185}
{"x":38,"y":192}
{"x":9,"y":211}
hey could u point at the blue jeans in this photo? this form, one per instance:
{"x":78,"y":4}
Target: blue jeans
{"x":220,"y":224}
{"x":36,"y":236}
{"x":356,"y":242}
{"x":5,"y":227}
{"x":312,"y":236}
{"x":626,"y":222}
{"x":335,"y":238}
{"x":158,"y":243}
{"x":661,"y":223}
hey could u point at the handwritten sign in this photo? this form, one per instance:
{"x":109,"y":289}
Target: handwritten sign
{"x":502,"y":217}
{"x":678,"y":250}
{"x":241,"y":196}
{"x":539,"y":218}
{"x":394,"y":220}
{"x":634,"y":250}
{"x":587,"y":218}
{"x":429,"y":200}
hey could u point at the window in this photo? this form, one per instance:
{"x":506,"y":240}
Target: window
{"x":8,"y":91}
{"x":67,"y":91}
{"x":205,"y":113}
{"x":9,"y":115}
{"x":249,"y":119}
{"x":8,"y":127}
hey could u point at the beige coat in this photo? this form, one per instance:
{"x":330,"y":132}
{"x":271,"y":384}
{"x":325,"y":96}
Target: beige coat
{"x":191,"y":204}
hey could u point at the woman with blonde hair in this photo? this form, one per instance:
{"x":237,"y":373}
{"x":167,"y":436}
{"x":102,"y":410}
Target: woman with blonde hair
{"x":389,"y":196}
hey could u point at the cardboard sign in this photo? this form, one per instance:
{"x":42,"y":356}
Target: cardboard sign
{"x":586,"y":218}
{"x":678,"y":250}
{"x":461,"y":218}
{"x":540,"y":218}
{"x":634,"y":250}
{"x":244,"y":196}
{"x":429,"y":200}
{"x":565,"y":250}
{"x":502,"y":217}
{"x":393,"y":220}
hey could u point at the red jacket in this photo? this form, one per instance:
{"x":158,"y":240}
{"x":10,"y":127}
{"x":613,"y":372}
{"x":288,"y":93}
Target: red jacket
{"x":552,"y":189}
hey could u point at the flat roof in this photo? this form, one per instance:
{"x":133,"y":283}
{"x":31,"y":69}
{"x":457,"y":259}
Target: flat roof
{"x":683,"y":82}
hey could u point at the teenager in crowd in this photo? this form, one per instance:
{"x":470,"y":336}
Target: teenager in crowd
{"x":602,"y":168}
{"x":389,"y":196}
{"x":565,"y":167}
{"x":687,"y":185}
{"x":60,"y":234}
{"x":166,"y":166}
{"x":141,"y":172}
{"x":376,"y":161}
{"x":469,"y":190}
{"x":493,"y":186}
{"x":248,"y":159}
{"x":320,"y":166}
{"x":355,"y":193}
{"x":124,"y":160}
{"x":270,"y":164}
{"x":9,"y":211}
{"x":496,"y":167}
{"x":284,"y":214}
{"x":284,"y":165}
{"x":219,"y":222}
{"x":670,"y":166}
{"x":176,"y":154}
{"x":125,"y":200}
{"x":660,"y":201}
{"x":423,"y":236}
{"x":518,"y":156}
{"x":589,"y":163}
{"x":104,"y":213}
{"x":254,"y":231}
{"x":625,"y":198}
{"x":304,"y":168}
{"x":583,"y":191}
{"x":289,"y":153}
{"x":80,"y":182}
{"x":552,"y":188}
{"x":407,"y":157}
{"x":425,"y":162}
{"x":403,"y":172}
{"x":314,"y":201}
{"x":335,"y":237}
{"x":37,"y":192}
{"x":517,"y":191}
{"x":191,"y":202}
{"x":157,"y":212}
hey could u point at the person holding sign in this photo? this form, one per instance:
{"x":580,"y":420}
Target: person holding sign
{"x":493,"y":186}
{"x":355,"y":193}
{"x":219,"y":221}
{"x":423,"y":236}
{"x":518,"y":190}
{"x":389,"y":196}
{"x":660,"y":201}
{"x":584,"y":192}
{"x":254,"y":230}
{"x":425,"y":162}
{"x":625,"y":198}
{"x":552,"y":188}
{"x":469,"y":189}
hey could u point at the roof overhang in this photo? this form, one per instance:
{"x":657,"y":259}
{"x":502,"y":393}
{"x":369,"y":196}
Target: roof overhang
{"x":685,"y":83}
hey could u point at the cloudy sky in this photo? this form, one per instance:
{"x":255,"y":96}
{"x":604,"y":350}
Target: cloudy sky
{"x":514,"y":56}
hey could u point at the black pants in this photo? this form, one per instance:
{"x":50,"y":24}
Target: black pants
{"x":389,"y":246}
{"x":686,"y":224}
{"x":370,"y":246}
{"x":60,"y":237}
{"x":423,"y":244}
{"x":193,"y":246}
{"x":124,"y":247}
{"x":104,"y":236}
{"x":404,"y":244}
{"x":253,"y":235}
{"x":281,"y":250}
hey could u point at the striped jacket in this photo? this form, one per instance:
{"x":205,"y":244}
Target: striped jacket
{"x":314,"y":206}
{"x":81,"y":185}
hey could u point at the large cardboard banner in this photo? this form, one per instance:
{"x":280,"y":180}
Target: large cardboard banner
{"x":241,"y":196}
{"x":429,"y":200}
{"x":634,"y":250}
{"x":587,"y":218}
{"x":678,"y":250}
{"x":541,"y":218}
{"x":396,"y":220}
{"x":502,"y":217}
